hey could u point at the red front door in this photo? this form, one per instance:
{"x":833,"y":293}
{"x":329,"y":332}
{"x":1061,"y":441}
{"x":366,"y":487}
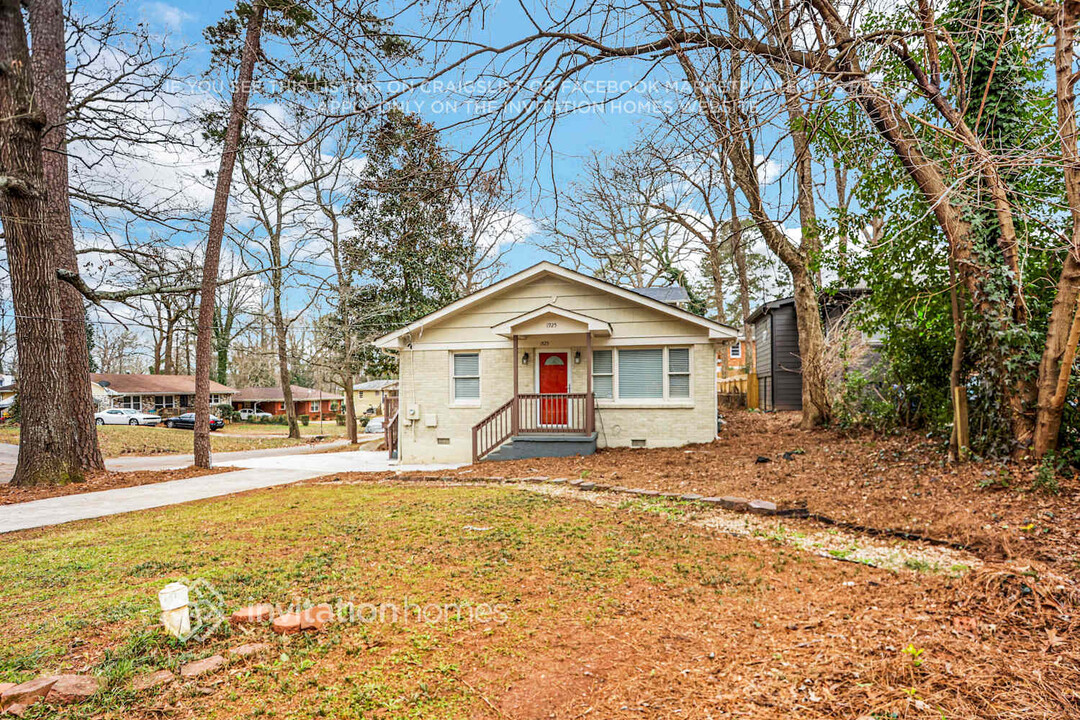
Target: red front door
{"x":553,"y":380}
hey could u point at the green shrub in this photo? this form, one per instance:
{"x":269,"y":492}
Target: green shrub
{"x":340,"y":420}
{"x":305,"y":420}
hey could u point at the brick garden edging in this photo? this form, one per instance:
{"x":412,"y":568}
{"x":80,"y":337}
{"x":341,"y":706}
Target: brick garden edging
{"x":796,"y":509}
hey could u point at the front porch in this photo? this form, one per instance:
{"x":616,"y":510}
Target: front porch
{"x":554,"y":420}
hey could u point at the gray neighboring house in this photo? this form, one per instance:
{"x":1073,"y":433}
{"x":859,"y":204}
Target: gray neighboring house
{"x":776,"y":338}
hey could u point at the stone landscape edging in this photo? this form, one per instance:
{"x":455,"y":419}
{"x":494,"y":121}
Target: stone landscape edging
{"x":797,"y":509}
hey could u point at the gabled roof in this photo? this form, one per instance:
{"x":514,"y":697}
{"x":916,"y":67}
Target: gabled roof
{"x":375,"y":385}
{"x":669,"y":294}
{"x":594,"y":325}
{"x":836,"y":296}
{"x":124,"y":384}
{"x":275,"y":394}
{"x":715,"y":329}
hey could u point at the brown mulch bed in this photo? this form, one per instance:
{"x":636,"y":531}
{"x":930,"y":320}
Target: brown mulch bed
{"x":896,"y":482}
{"x":106,"y":480}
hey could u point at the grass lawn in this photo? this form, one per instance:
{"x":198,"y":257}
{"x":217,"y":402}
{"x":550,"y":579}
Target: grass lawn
{"x":605,"y":613}
{"x":327,"y":427}
{"x":117,"y":440}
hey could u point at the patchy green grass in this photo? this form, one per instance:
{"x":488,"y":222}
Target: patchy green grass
{"x":327,"y":428}
{"x":118,"y":440}
{"x":603,"y":608}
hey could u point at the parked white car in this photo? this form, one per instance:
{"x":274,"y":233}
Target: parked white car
{"x":123,"y":416}
{"x":254,"y":415}
{"x":375,"y":425}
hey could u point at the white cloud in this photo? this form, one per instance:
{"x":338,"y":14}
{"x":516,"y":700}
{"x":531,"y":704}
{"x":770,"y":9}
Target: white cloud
{"x":768,"y":170}
{"x":165,"y":15}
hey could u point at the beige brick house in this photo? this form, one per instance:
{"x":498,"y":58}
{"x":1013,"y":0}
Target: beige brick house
{"x":550,"y":362}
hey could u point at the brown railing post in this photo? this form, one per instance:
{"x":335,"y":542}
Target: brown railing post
{"x":514,"y":417}
{"x":590,"y":421}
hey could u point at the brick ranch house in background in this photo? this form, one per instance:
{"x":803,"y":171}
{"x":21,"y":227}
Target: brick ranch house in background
{"x":314,"y":403}
{"x":552,"y":362}
{"x":166,"y":394}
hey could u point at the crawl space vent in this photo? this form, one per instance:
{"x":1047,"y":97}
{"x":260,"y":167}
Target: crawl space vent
{"x":443,"y":441}
{"x":637,"y":443}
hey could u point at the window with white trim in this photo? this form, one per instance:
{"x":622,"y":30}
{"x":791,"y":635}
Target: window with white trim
{"x":678,"y":373}
{"x":129,"y":402}
{"x":651,"y":374}
{"x":736,"y":350}
{"x":641,"y":374}
{"x":603,"y":374}
{"x":314,"y":406}
{"x":465,"y":376}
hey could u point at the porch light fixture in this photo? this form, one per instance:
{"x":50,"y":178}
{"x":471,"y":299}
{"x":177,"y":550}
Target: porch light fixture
{"x":577,"y":357}
{"x":525,"y":359}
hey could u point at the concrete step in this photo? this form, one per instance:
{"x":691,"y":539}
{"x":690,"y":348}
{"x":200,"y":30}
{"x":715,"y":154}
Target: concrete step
{"x":521,"y":447}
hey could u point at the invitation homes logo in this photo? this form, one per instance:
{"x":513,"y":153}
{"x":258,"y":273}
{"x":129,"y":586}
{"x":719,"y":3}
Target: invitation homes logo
{"x":195,"y":609}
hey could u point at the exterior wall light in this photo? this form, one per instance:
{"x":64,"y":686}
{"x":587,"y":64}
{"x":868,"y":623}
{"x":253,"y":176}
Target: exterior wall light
{"x":525,"y":359}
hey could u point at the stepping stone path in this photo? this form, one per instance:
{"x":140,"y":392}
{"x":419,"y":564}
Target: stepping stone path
{"x":152,"y":680}
{"x":15,"y":699}
{"x":70,"y":689}
{"x":317,"y":617}
{"x":253,"y":614}
{"x":248,"y":650}
{"x":201,"y":667}
{"x":287,"y":624}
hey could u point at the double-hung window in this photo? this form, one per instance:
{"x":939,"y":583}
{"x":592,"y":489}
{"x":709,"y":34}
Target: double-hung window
{"x":603,"y":371}
{"x":736,"y":350}
{"x":629,"y":374}
{"x":678,"y":373}
{"x":641,"y":374}
{"x":466,"y":377}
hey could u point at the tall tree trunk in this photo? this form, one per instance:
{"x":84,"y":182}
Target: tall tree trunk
{"x":47,"y":432}
{"x":958,"y":441}
{"x":50,"y":83}
{"x":1058,"y":356}
{"x":208,"y":291}
{"x":281,"y":343}
{"x":350,"y":408}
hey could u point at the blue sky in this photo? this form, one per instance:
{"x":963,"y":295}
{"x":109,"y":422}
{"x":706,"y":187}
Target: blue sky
{"x":615,"y":128}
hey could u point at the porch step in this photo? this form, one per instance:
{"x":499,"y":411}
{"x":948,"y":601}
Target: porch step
{"x":521,"y":447}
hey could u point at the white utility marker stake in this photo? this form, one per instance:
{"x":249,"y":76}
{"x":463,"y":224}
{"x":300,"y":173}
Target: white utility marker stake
{"x":174,"y":610}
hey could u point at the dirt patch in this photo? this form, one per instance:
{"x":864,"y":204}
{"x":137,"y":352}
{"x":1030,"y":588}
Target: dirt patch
{"x":103,"y":481}
{"x":896,"y":482}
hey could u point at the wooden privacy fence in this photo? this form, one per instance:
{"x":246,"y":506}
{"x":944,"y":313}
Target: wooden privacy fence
{"x":740,"y":391}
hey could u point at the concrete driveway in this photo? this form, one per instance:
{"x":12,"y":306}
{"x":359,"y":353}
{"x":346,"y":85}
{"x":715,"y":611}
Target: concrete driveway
{"x":9,"y":456}
{"x":256,"y":469}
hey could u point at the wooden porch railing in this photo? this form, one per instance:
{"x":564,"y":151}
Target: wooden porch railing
{"x":390,"y":423}
{"x":535,"y":413}
{"x":494,"y":430}
{"x":552,"y":413}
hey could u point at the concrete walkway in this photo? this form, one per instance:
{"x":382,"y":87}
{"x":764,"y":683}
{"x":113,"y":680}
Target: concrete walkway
{"x":53,"y":511}
{"x":9,"y":456}
{"x":261,"y":469}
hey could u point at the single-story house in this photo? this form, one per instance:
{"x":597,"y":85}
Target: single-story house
{"x":369,"y":395}
{"x":316,"y":404}
{"x":168,"y":394}
{"x":9,"y":390}
{"x":776,"y":337}
{"x":551,"y":362}
{"x":731,"y":358}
